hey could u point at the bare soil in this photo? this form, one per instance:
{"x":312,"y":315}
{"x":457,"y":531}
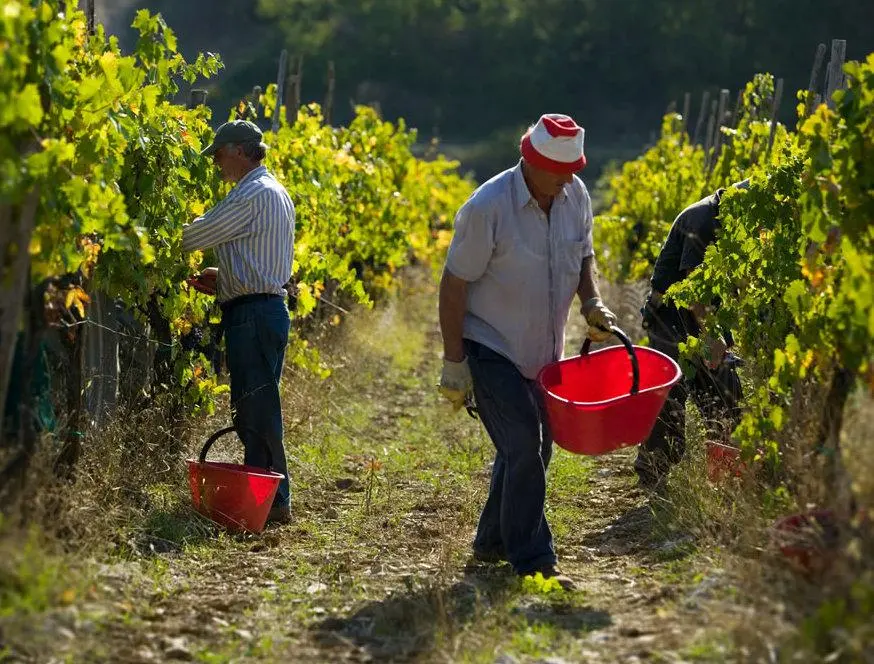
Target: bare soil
{"x":375,"y":566}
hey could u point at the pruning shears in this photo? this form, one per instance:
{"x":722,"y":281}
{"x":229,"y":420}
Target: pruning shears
{"x":470,"y":406}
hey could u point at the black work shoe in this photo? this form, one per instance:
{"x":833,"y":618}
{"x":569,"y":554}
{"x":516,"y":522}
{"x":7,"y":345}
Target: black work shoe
{"x":279,"y":514}
{"x":552,"y":572}
{"x":489,"y":555}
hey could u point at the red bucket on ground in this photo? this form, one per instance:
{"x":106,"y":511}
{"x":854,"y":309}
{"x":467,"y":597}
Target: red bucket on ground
{"x":235,"y":496}
{"x":723,"y":461}
{"x":808,"y":539}
{"x":602,"y":401}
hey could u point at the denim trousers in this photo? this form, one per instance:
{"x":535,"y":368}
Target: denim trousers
{"x":511,"y":409}
{"x":256,"y":334}
{"x":717,"y":394}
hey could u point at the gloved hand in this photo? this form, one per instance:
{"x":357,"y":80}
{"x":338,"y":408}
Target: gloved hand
{"x":716,"y":349}
{"x":599,"y":318}
{"x":455,"y":382}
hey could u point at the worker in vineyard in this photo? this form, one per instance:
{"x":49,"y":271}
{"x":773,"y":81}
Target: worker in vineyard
{"x":521,"y":249}
{"x":712,"y":381}
{"x":252,"y":233}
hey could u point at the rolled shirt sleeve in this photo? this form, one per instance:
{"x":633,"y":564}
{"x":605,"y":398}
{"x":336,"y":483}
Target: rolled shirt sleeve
{"x":229,"y":220}
{"x":472,"y":243}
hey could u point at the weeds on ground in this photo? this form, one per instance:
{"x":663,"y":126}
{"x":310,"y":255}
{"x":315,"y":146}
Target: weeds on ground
{"x":796,"y":613}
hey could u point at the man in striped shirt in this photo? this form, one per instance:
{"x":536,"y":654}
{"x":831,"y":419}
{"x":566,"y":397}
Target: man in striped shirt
{"x":252,"y":233}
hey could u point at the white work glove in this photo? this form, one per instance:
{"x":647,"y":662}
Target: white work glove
{"x":455,"y":382}
{"x":599,"y":318}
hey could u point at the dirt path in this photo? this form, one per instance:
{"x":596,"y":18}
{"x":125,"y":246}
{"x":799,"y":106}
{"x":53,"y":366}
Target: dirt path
{"x":375,"y":567}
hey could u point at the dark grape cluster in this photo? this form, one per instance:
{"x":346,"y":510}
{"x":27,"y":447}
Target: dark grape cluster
{"x":193,"y":340}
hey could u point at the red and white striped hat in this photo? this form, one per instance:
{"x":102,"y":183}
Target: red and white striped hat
{"x":554,"y":144}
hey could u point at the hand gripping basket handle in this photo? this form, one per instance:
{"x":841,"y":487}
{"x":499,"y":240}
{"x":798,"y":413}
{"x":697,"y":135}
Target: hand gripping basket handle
{"x":218,"y":434}
{"x":635,"y":367}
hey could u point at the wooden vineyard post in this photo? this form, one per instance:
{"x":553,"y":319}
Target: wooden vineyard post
{"x":256,"y":101}
{"x":702,"y":115}
{"x":292,"y":95}
{"x":13,"y":476}
{"x":708,"y":136}
{"x":298,"y":82}
{"x":720,"y":117}
{"x":280,"y":88}
{"x":815,"y":85}
{"x":836,"y":69}
{"x":329,"y":96}
{"x":71,"y":450}
{"x":775,"y":109}
{"x":89,"y":17}
{"x":735,"y":113}
{"x":16,"y":229}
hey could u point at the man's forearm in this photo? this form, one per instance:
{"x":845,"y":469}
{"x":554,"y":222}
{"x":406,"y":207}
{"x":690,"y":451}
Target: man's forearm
{"x":225,"y":222}
{"x":588,"y":287}
{"x":453,"y":305}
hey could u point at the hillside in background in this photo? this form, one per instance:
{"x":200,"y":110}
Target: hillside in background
{"x":475,"y":72}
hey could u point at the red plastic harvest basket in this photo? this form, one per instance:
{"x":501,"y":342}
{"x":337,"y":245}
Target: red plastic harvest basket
{"x":808,"y":539}
{"x":235,"y":496}
{"x":601,"y":401}
{"x":723,"y":461}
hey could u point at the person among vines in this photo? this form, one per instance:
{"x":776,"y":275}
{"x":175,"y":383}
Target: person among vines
{"x":521,"y":249}
{"x":252,"y":233}
{"x":712,"y":382}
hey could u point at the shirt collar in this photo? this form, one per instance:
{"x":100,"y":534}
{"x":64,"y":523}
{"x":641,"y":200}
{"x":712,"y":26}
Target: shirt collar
{"x":251,"y":175}
{"x":521,"y":193}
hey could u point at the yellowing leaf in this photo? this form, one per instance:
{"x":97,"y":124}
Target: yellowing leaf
{"x":76,"y":299}
{"x":196,"y":208}
{"x":109,"y":64}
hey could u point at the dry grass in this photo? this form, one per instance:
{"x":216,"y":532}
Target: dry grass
{"x":795,"y":613}
{"x":386,"y":491}
{"x":790,"y":614}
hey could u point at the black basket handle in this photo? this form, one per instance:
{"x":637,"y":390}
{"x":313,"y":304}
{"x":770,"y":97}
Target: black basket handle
{"x":635,"y":367}
{"x":218,"y":434}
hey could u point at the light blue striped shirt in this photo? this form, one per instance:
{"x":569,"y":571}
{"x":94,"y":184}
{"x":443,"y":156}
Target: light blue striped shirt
{"x":252,"y":232}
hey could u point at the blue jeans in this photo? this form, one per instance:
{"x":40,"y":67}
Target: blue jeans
{"x":511,"y":409}
{"x":256,"y":334}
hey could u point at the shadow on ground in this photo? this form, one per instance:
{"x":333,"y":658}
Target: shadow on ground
{"x":627,"y":534}
{"x":170,"y":531}
{"x":644,"y":531}
{"x":407,"y":623}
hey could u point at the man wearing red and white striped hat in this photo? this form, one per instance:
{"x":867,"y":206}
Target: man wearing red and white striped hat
{"x":522,"y":248}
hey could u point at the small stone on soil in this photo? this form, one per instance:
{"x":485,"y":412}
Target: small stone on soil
{"x":177,"y":649}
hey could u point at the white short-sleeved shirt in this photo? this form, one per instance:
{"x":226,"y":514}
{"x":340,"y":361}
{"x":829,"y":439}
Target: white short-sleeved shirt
{"x":523,"y":268}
